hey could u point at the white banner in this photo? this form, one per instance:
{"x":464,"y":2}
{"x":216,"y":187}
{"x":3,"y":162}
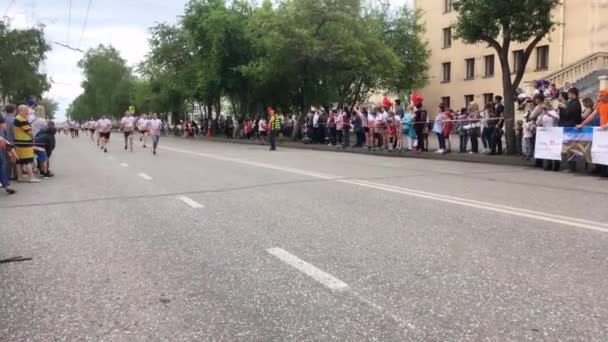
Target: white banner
{"x":599,"y":149}
{"x":549,"y":142}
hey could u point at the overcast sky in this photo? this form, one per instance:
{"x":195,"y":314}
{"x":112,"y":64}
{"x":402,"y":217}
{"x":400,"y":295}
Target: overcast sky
{"x":121,"y":23}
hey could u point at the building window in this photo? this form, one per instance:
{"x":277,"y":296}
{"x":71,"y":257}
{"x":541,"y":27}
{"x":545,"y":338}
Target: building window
{"x":468,"y":99}
{"x":447,"y":37}
{"x":488,"y":98}
{"x":542,"y":57}
{"x":518,"y":60}
{"x":489,"y":65}
{"x":447,"y":6}
{"x":447,"y":72}
{"x":446,"y":101}
{"x":470,"y":74}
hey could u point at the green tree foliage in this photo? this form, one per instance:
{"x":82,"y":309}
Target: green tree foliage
{"x":108,"y":85}
{"x":21,"y":53}
{"x":291,"y":55}
{"x":499,"y":23}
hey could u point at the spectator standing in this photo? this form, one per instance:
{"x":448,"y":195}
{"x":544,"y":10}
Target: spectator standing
{"x":409,"y":130}
{"x":549,"y":118}
{"x":331,"y":127}
{"x":339,"y":126}
{"x":588,"y":105}
{"x":499,"y":110}
{"x":447,"y":129}
{"x":346,"y":129}
{"x":519,"y":133}
{"x":570,"y":115}
{"x":438,"y":126}
{"x":9,"y":135}
{"x":24,"y":145}
{"x":39,"y":120}
{"x":262,"y":128}
{"x":357,"y":123}
{"x":528,"y":133}
{"x":421,"y":119}
{"x":474,"y":126}
{"x":248,"y":128}
{"x":565,"y":88}
{"x":601,"y":111}
{"x":398,"y":118}
{"x":463,"y":130}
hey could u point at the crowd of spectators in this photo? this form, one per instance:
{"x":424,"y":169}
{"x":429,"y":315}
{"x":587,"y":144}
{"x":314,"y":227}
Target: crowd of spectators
{"x":27,"y":141}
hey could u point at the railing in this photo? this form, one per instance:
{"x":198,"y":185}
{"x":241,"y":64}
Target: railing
{"x":579,"y":69}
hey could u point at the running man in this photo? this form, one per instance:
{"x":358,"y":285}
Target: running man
{"x":127,"y":124}
{"x":91,"y":126}
{"x":104,"y":127}
{"x":155,"y":125}
{"x":142,"y":127}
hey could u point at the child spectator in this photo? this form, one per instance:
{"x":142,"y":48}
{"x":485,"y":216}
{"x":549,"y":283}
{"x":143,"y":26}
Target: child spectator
{"x":528,"y":133}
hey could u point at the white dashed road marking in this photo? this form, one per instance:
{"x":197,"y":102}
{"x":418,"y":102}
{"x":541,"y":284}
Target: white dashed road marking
{"x":487,"y":206}
{"x":144,"y":176}
{"x":322,"y":277}
{"x":124,"y":164}
{"x":190,"y":202}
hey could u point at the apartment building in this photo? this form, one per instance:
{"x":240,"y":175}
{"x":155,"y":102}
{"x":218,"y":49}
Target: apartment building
{"x":577,"y":51}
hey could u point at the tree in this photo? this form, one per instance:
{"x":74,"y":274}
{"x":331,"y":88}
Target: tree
{"x":21,"y":53}
{"x":51,"y":106}
{"x":499,"y":23}
{"x":108,"y":85}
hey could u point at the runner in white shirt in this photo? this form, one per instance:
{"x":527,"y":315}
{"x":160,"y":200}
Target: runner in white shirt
{"x":154,"y":127}
{"x":104,"y":127}
{"x":142,"y":127}
{"x":127,"y":125}
{"x":91,"y":125}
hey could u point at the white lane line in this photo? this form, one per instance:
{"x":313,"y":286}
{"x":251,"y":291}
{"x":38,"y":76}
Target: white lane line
{"x":508,"y":210}
{"x":322,"y":277}
{"x":124,"y":164}
{"x":144,"y":176}
{"x":190,"y":202}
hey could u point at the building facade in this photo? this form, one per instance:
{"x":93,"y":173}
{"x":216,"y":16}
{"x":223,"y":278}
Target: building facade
{"x":576,"y":51}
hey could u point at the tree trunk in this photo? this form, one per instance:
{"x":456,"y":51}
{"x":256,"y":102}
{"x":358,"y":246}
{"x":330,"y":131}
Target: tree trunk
{"x":509,"y":114}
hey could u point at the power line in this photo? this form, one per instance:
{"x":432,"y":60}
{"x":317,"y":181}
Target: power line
{"x":68,"y":47}
{"x":10,"y":4}
{"x":84,"y":26}
{"x":69,"y":20}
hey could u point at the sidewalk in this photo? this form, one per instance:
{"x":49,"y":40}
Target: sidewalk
{"x":453,"y":156}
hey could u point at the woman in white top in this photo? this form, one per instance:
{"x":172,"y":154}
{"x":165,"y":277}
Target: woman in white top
{"x":399,"y":136}
{"x":262,"y":129}
{"x":548,"y":118}
{"x":371,"y":129}
{"x":438,"y":128}
{"x":39,"y":121}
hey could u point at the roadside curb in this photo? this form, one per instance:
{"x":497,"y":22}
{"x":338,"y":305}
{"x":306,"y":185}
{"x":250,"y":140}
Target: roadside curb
{"x":456,"y":157}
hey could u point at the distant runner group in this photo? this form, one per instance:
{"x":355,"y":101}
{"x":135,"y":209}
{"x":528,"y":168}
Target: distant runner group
{"x":145,"y":126}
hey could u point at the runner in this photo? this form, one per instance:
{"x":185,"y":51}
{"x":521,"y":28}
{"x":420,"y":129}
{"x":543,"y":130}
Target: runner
{"x":91,"y":125}
{"x":72,"y":127}
{"x":142,"y":126}
{"x":127,"y":124}
{"x":154,"y":126}
{"x":104,"y":127}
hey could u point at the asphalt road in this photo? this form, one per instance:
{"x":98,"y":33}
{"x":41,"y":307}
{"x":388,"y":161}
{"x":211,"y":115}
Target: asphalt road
{"x":221,"y":242}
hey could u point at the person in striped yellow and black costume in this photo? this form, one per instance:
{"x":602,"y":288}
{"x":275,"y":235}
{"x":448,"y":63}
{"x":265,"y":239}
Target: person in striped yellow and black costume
{"x":24,"y":145}
{"x":274,"y":124}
